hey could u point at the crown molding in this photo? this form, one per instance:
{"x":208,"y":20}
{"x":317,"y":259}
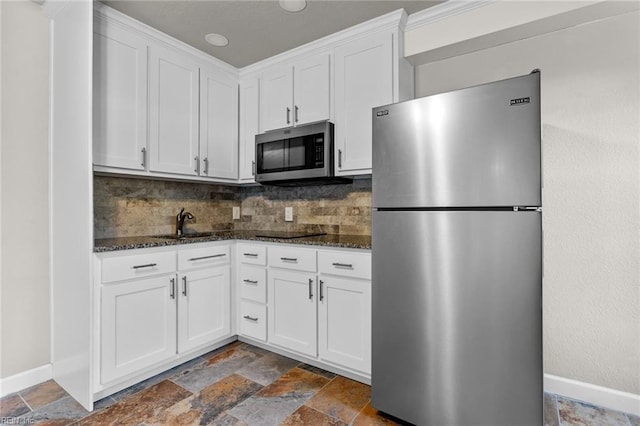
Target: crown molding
{"x":443,"y":11}
{"x":114,"y":17}
{"x":389,"y":21}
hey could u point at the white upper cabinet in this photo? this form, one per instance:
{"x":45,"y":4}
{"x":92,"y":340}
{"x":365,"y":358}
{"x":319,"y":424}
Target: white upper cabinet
{"x":363,"y":80}
{"x":119,"y":98}
{"x":249,"y":128}
{"x":218,"y":125}
{"x":173,"y":118}
{"x":297,"y":94}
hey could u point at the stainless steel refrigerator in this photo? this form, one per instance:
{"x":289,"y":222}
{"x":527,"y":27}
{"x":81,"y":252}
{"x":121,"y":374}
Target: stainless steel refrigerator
{"x":457,"y":257}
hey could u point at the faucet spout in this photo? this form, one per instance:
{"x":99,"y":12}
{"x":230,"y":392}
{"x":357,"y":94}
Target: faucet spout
{"x":180,"y":219}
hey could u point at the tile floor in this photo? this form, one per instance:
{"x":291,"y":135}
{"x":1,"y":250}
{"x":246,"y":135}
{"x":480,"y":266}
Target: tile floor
{"x":240,"y":384}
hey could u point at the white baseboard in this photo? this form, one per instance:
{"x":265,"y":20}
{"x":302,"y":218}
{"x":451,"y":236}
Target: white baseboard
{"x":593,"y":394}
{"x":26,"y":379}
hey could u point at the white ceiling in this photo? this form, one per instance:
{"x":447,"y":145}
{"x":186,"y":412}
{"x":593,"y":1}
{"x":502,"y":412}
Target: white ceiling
{"x":256,"y":29}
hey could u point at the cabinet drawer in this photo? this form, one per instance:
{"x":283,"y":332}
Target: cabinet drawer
{"x":355,"y":265}
{"x":203,"y":256}
{"x":292,"y":258}
{"x":126,"y":267}
{"x":253,"y":320}
{"x":254,"y":255}
{"x":253,"y":283}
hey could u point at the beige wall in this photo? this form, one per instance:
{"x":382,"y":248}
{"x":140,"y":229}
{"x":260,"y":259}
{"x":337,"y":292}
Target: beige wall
{"x":591,"y":163}
{"x":24,"y":286}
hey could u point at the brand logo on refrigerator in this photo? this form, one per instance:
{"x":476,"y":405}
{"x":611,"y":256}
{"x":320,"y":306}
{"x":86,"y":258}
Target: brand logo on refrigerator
{"x":383,"y":112}
{"x":520,"y":101}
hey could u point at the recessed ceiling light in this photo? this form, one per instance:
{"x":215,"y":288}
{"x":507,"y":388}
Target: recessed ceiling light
{"x":293,"y":5}
{"x":216,"y":39}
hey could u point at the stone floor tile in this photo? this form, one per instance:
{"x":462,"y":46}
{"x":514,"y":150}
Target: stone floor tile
{"x":633,"y":420}
{"x":43,"y":394}
{"x":575,"y":413}
{"x":342,"y":398}
{"x":370,"y":416}
{"x":226,"y":419}
{"x":140,"y":407}
{"x":211,"y":403}
{"x":268,"y":368}
{"x":175,"y":371}
{"x":308,"y":416}
{"x":61,"y":412}
{"x":275,"y":402}
{"x":215,"y":368}
{"x":319,"y":371}
{"x":13,"y":406}
{"x":550,"y":410}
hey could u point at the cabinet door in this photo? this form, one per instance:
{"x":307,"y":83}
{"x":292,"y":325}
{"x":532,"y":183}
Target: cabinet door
{"x":292,"y":311}
{"x":276,"y":96}
{"x":218,"y":126}
{"x":119,"y":98}
{"x":363,"y":80}
{"x":173,"y":120}
{"x":138,"y":325}
{"x":249,"y":106}
{"x":203,"y":307}
{"x":344,"y":322}
{"x":311,"y":90}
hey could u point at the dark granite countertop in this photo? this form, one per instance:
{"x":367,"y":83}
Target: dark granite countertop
{"x":128,"y":243}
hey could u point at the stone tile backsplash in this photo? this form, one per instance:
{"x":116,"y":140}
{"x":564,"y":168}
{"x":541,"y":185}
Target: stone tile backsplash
{"x":131,"y":207}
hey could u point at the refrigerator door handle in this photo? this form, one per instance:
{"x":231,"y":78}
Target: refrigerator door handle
{"x":527,"y":209}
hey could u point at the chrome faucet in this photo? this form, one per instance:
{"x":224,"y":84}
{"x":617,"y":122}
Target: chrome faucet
{"x":180,"y":218}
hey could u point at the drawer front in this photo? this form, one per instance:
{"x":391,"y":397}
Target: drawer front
{"x":354,"y":265}
{"x":253,"y":283}
{"x":253,"y":320}
{"x":292,"y":258}
{"x":193,"y":258}
{"x":252,"y":254}
{"x":126,"y":267}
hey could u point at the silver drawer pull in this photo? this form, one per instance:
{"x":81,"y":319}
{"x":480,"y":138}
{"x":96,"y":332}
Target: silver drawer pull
{"x":289,"y":259}
{"x":250,"y":281}
{"x":250,"y":254}
{"x":247,"y":317}
{"x":193,"y":259}
{"x":342,"y":265}
{"x":148,"y":265}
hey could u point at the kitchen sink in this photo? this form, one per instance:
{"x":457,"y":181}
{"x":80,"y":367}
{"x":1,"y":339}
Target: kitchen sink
{"x":185,"y":236}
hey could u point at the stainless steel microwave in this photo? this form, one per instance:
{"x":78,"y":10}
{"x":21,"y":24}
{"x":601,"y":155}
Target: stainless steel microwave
{"x":296,"y":156}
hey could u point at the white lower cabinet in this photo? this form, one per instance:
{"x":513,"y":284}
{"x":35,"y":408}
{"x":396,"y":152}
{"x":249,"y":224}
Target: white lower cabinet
{"x":159,"y":306}
{"x":203,"y":307}
{"x":138,"y":325}
{"x":292,"y":311}
{"x":344,"y":322}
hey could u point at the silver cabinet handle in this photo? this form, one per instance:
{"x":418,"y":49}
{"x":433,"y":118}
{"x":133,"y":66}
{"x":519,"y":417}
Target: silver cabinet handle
{"x":144,"y":157}
{"x":148,"y":265}
{"x":310,"y":289}
{"x":250,"y":281}
{"x":197,"y":169}
{"x":295,"y":114}
{"x":289,"y":259}
{"x":342,"y":265}
{"x":247,"y":317}
{"x":321,"y":293}
{"x":193,"y":259}
{"x":206,"y":165}
{"x":253,"y":168}
{"x":250,"y":254}
{"x":184,"y":285}
{"x":172,"y":292}
{"x":288,"y":113}
{"x":339,"y":158}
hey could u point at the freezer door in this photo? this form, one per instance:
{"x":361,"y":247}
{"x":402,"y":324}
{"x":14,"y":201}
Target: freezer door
{"x":457,"y":323}
{"x":478,"y":147}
